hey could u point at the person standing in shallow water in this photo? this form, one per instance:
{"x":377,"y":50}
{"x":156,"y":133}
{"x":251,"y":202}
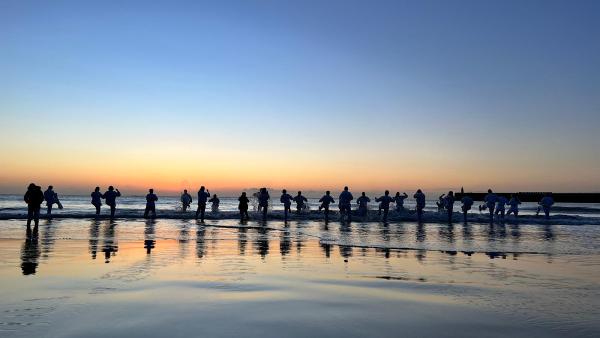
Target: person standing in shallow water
{"x":514,"y":206}
{"x":545,"y":204}
{"x":384,"y":205}
{"x":501,"y":206}
{"x":345,"y":206}
{"x":325,"y":201}
{"x":300,"y":202}
{"x":467,"y":203}
{"x":362,"y":202}
{"x":419,"y":196}
{"x":186,"y":200}
{"x":243,"y":206}
{"x":399,"y":200}
{"x":263,"y":202}
{"x":286,"y":199}
{"x":34,"y":198}
{"x":449,"y":203}
{"x":50,"y":197}
{"x":111,"y":199}
{"x":150,"y":205}
{"x":203,"y":196}
{"x":97,"y":199}
{"x":215,"y":203}
{"x":490,"y":202}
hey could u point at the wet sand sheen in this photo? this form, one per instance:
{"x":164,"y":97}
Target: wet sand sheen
{"x":215,"y":281}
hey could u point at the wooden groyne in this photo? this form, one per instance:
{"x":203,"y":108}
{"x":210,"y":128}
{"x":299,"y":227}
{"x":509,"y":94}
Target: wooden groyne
{"x":537,"y":196}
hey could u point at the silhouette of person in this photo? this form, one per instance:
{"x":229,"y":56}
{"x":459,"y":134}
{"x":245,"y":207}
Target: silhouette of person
{"x":215,"y":203}
{"x":300,"y":202}
{"x":384,"y":205}
{"x":449,"y":203}
{"x":186,"y":200}
{"x":286,"y":199}
{"x":345,"y":201}
{"x":97,"y":199}
{"x":399,"y":200}
{"x":203,"y":196}
{"x":514,"y":205}
{"x":362,"y":202}
{"x":467,"y":203}
{"x":50,"y":197}
{"x":325,"y":201}
{"x":150,"y":206}
{"x":441,"y":202}
{"x":110,"y":197}
{"x":490,"y":202}
{"x":263,"y":202}
{"x":243,"y":206}
{"x":545,"y":204}
{"x":34,"y":198}
{"x":419,"y":196}
{"x":501,"y":206}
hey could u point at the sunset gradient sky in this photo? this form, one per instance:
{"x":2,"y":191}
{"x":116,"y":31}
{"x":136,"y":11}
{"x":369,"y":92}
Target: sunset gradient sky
{"x":300,"y":94}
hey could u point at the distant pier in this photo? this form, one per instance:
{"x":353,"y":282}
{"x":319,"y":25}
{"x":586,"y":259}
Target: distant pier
{"x":537,"y":196}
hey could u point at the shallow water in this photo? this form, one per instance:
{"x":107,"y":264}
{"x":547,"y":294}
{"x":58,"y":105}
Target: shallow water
{"x":306,"y":278}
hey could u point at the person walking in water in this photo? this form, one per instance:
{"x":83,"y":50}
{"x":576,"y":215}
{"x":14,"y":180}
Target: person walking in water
{"x":345,"y":201}
{"x":203,"y":196}
{"x":263,"y":202}
{"x":97,"y":200}
{"x":50,"y":197}
{"x":490,"y":202}
{"x":186,"y":200}
{"x":325,"y":201}
{"x":467,"y":203}
{"x":419,"y":196}
{"x":362,"y":202}
{"x":449,"y":203}
{"x":286,"y":199}
{"x":215,"y":203}
{"x":300,"y":202}
{"x":243,"y":206}
{"x":514,"y":206}
{"x":399,"y":200}
{"x":545,"y":204}
{"x":111,"y":199}
{"x":384,"y":205}
{"x":441,"y":203}
{"x":151,"y":198}
{"x":34,"y":198}
{"x":501,"y":206}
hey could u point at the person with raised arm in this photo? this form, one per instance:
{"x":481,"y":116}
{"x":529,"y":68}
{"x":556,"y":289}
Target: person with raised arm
{"x":300,"y":202}
{"x":243,"y":206}
{"x":362,"y":202}
{"x":151,"y":198}
{"x":186,"y":200}
{"x":203,"y":196}
{"x":325,"y":201}
{"x":97,"y":200}
{"x":286,"y":199}
{"x":384,"y":205}
{"x":110,"y":197}
{"x":399,"y":200}
{"x":345,"y":206}
{"x":419,"y":196}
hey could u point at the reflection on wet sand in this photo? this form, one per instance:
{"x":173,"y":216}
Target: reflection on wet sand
{"x":149,"y":239}
{"x":109,"y":244}
{"x":30,"y":252}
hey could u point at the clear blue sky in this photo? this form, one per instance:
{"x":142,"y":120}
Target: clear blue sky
{"x":438,"y":94}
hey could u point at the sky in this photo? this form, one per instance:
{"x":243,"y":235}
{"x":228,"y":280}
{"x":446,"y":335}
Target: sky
{"x":307,"y":94}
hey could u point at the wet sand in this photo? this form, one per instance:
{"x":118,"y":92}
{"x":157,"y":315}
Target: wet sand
{"x":174,"y":278}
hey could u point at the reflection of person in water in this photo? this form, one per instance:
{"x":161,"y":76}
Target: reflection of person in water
{"x":30,"y":254}
{"x":94,"y":234}
{"x":149,"y":240}
{"x":109,"y":246}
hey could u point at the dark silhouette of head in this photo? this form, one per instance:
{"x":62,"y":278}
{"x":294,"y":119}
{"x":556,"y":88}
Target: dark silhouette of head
{"x":363,"y":193}
{"x":31,"y":186}
{"x":151,"y":190}
{"x":489,"y":191}
{"x":215,"y":195}
{"x":111,"y":188}
{"x":397,"y":193}
{"x":185,"y":191}
{"x":419,"y":191}
{"x":284,"y":191}
{"x":450,"y":193}
{"x":244,"y":194}
{"x":345,"y":188}
{"x":299,"y":193}
{"x":97,"y":189}
{"x":387,"y":192}
{"x":327,"y":192}
{"x":202,"y":188}
{"x":50,"y":187}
